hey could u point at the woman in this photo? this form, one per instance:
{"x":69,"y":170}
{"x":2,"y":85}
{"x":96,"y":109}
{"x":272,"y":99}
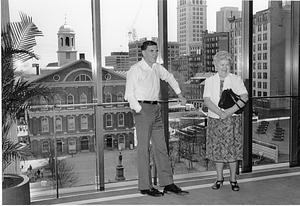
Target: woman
{"x":224,"y":134}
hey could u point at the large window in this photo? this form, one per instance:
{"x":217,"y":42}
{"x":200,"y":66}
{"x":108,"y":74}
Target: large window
{"x":120,"y":119}
{"x":71,"y":123}
{"x":120,"y":97}
{"x":83,"y":100}
{"x":70,"y":101}
{"x":45,"y":124}
{"x":45,"y":146}
{"x":108,"y":120}
{"x":58,"y":124}
{"x":57,"y":99}
{"x":72,"y":145}
{"x":270,"y":77}
{"x":84,"y":122}
{"x":108,"y":98}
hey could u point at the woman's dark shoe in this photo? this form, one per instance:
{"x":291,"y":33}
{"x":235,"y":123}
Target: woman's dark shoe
{"x":234,"y":186}
{"x":218,"y":184}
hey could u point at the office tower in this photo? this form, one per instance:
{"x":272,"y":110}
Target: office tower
{"x":135,"y":52}
{"x":173,"y":53}
{"x":223,"y":15}
{"x":269,"y":57}
{"x":191,"y":21}
{"x":213,"y":43}
{"x":118,"y":60}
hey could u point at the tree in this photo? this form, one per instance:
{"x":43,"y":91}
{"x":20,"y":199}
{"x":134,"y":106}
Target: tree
{"x":65,"y":175}
{"x":17,"y":42}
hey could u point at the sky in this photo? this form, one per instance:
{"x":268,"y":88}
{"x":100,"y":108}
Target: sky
{"x":117,"y":19}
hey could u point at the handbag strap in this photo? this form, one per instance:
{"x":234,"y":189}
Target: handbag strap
{"x":238,"y":96}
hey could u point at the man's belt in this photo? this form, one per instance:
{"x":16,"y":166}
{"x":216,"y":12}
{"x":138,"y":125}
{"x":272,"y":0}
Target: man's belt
{"x":148,"y":102}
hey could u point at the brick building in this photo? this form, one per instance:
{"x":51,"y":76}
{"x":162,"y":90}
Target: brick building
{"x":72,"y":123}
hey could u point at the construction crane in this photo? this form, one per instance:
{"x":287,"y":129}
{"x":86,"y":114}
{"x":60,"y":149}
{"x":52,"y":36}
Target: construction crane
{"x":132,"y":34}
{"x":131,"y":31}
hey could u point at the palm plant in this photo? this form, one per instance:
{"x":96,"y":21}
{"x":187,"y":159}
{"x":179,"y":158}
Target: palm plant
{"x":17,"y":42}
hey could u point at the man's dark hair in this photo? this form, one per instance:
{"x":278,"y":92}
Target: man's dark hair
{"x":148,"y":43}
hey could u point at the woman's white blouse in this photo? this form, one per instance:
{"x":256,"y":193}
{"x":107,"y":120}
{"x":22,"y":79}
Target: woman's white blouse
{"x":212,"y":88}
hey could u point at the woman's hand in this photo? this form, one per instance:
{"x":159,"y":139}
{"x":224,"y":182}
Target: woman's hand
{"x":223,"y":115}
{"x":226,"y":113}
{"x":229,"y":112}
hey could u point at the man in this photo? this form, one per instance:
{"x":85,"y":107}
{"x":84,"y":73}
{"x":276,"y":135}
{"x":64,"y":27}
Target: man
{"x":142,"y":93}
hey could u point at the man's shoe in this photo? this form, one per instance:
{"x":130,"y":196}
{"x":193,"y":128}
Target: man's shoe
{"x":152,"y":192}
{"x":172,"y":188}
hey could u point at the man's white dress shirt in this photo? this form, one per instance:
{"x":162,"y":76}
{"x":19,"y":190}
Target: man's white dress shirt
{"x":143,"y":83}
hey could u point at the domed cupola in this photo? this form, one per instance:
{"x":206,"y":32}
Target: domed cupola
{"x":66,"y":44}
{"x":66,"y":29}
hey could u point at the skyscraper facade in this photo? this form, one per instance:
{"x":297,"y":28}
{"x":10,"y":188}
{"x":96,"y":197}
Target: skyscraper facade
{"x":213,"y":43}
{"x":269,"y":74}
{"x":191,"y":21}
{"x":223,"y":15}
{"x":135,"y":51}
{"x":118,"y":60}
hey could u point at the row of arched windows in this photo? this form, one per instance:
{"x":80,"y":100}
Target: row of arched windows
{"x":70,"y":100}
{"x":108,"y":97}
{"x":59,"y":123}
{"x":84,"y":143}
{"x":83,"y":99}
{"x":83,"y":122}
{"x":109,"y":120}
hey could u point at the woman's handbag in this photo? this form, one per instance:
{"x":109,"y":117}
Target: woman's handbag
{"x":228,"y":99}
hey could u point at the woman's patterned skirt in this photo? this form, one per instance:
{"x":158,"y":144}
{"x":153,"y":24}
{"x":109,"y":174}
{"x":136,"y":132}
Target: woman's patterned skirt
{"x":224,"y":142}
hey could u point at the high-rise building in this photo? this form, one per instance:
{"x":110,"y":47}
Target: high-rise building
{"x":269,"y":59}
{"x":135,"y":52}
{"x":194,"y":88}
{"x":223,"y":15}
{"x":213,"y":43}
{"x":191,"y":21}
{"x":118,"y":60}
{"x":173,"y":52}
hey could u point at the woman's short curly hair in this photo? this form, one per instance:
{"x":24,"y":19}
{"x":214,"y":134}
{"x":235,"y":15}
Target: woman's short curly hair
{"x":221,"y":55}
